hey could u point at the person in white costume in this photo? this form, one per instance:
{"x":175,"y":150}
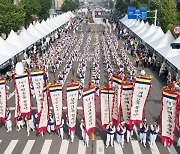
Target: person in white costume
{"x":30,"y":125}
{"x":121,"y":130}
{"x":110,"y":128}
{"x":178,"y":142}
{"x":153,"y":132}
{"x":8,"y":121}
{"x":143,"y":132}
{"x":61,"y":129}
{"x":129,"y":130}
{"x":20,"y":122}
{"x":71,"y":133}
{"x":51,"y":123}
{"x":84,"y":134}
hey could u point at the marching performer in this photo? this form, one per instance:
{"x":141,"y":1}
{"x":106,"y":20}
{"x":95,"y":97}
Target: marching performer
{"x":129,"y":129}
{"x":71,"y":133}
{"x":30,"y":124}
{"x":110,"y":134}
{"x":8,"y":121}
{"x":19,"y":122}
{"x":84,"y":134}
{"x":153,"y":132}
{"x":51,"y":123}
{"x":143,"y":132}
{"x":61,"y":129}
{"x":121,"y":130}
{"x":178,"y":142}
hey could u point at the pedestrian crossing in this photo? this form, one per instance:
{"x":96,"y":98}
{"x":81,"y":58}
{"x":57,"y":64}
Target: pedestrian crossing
{"x":65,"y":145}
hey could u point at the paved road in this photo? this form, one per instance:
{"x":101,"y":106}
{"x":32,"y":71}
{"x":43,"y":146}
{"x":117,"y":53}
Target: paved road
{"x":18,"y":142}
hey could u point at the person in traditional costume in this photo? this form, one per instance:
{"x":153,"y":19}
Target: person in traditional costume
{"x":129,"y":129}
{"x":110,"y":128}
{"x":121,"y":130}
{"x":20,"y":122}
{"x":153,"y":133}
{"x":51,"y":123}
{"x":30,"y":124}
{"x":8,"y":121}
{"x":143,"y":132}
{"x":84,"y":134}
{"x":71,"y":133}
{"x":61,"y":129}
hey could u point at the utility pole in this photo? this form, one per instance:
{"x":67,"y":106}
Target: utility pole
{"x":155,"y":17}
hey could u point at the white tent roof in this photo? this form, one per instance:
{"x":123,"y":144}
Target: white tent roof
{"x":4,"y":58}
{"x":41,"y":28}
{"x":177,"y":40}
{"x":150,"y":31}
{"x":163,"y":41}
{"x":124,"y":19}
{"x":143,"y":29}
{"x":138,"y":27}
{"x":28,"y":38}
{"x":14,"y":39}
{"x":156,"y":35}
{"x":175,"y":61}
{"x":8,"y":49}
{"x":31,"y":29}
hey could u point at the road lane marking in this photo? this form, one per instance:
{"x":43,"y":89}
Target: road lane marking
{"x":172,"y":150}
{"x":81,"y":148}
{"x":154,"y":149}
{"x":118,"y":149}
{"x":28,"y":147}
{"x":11,"y":147}
{"x":135,"y":146}
{"x":99,"y":147}
{"x":64,"y":147}
{"x":46,"y":147}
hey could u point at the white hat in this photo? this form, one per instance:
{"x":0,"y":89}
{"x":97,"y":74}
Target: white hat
{"x":82,"y":120}
{"x":144,"y":120}
{"x":123,"y":122}
{"x":111,"y":122}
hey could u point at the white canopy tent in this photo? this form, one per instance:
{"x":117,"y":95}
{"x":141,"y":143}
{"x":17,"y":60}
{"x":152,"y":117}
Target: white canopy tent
{"x":149,"y":32}
{"x":17,"y":43}
{"x":163,"y":41}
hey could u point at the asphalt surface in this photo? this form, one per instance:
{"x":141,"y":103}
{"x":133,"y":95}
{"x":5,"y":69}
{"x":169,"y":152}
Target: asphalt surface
{"x":18,"y":142}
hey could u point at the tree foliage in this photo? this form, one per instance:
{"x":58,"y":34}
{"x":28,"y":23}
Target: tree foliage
{"x":11,"y":16}
{"x":168,"y":14}
{"x":44,"y":11}
{"x":69,"y":5}
{"x":122,"y":5}
{"x":31,"y":8}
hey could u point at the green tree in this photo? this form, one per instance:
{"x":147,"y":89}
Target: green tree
{"x":68,"y":5}
{"x":122,"y":5}
{"x":168,"y":14}
{"x":111,"y":4}
{"x":31,"y":8}
{"x":11,"y":17}
{"x":44,"y":11}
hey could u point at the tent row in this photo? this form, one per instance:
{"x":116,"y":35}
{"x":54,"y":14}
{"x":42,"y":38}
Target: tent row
{"x":16,"y":43}
{"x":154,"y":37}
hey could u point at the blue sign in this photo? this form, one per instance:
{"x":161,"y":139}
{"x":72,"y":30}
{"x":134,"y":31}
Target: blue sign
{"x":137,"y":14}
{"x":143,"y":11}
{"x":131,"y":12}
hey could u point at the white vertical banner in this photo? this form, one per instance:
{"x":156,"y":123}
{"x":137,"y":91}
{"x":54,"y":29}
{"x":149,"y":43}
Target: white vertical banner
{"x":56,"y":99}
{"x":43,"y":120}
{"x":107,"y":99}
{"x":3,"y":99}
{"x":38,"y":84}
{"x":89,"y":109}
{"x":140,"y":94}
{"x":126,"y":99}
{"x":72,"y":101}
{"x":23,"y":94}
{"x":117,"y":81}
{"x":168,"y":116}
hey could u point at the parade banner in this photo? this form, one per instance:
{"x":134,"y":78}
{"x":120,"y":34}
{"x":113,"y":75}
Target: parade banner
{"x":72,"y":100}
{"x":3,"y":99}
{"x":43,"y":120}
{"x":107,"y":97}
{"x":116,"y":83}
{"x":89,"y":109}
{"x":168,"y":116}
{"x":140,"y":94}
{"x":16,"y":106}
{"x":23,"y":94}
{"x":38,"y":83}
{"x":126,"y":100}
{"x":56,"y":99}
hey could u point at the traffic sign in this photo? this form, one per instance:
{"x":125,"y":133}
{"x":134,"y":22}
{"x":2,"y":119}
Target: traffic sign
{"x":176,"y":29}
{"x":131,"y":12}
